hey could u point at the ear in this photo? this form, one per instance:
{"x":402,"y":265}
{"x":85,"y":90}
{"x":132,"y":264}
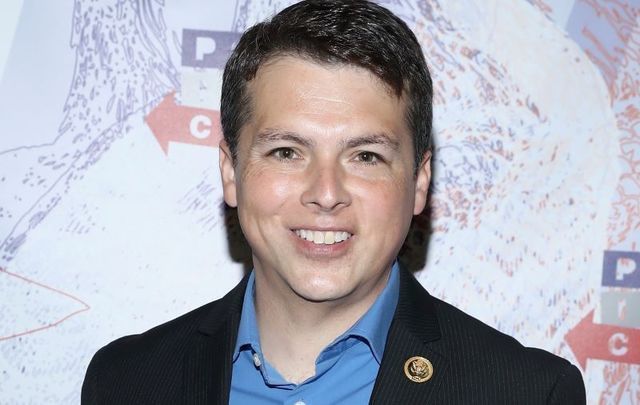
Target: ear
{"x":228,"y":174}
{"x":423,"y":177}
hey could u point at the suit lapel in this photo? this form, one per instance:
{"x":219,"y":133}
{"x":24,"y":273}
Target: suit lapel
{"x":208,"y":363}
{"x":413,"y":332}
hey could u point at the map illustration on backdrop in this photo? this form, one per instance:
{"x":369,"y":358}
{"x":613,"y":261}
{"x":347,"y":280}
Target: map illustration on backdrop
{"x":111,"y":212}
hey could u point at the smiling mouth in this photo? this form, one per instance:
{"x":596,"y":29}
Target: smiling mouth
{"x":322,"y":237}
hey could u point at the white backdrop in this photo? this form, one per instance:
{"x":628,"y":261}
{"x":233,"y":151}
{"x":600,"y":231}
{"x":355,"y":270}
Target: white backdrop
{"x":111,"y":213}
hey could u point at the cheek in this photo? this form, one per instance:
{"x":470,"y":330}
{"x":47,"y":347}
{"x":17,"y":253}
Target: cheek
{"x":263,"y":191}
{"x":389,"y":201}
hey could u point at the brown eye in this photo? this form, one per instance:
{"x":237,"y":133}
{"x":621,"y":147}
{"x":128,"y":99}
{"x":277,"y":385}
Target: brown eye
{"x":284,"y":153}
{"x":368,"y":157}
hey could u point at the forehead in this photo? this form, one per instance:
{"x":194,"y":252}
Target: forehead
{"x":294,"y":91}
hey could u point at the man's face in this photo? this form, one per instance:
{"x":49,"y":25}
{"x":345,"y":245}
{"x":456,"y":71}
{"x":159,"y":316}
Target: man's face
{"x":324,"y":180}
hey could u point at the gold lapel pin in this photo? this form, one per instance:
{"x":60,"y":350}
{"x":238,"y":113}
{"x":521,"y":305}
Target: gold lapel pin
{"x":418,"y":369}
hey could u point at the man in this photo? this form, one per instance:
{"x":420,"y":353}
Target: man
{"x":326,"y":113}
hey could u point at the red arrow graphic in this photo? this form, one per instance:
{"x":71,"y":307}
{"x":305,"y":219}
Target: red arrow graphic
{"x":170,"y":122}
{"x":589,"y":340}
{"x":51,"y":323}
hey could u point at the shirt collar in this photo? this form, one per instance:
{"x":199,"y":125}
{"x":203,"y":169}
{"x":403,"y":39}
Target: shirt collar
{"x":372,"y":327}
{"x":248,"y":329}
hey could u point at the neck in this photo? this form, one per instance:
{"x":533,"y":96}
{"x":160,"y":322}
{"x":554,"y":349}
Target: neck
{"x":293,"y":330}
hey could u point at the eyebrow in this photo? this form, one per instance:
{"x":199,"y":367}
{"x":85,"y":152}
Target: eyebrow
{"x":273,"y":135}
{"x":373,"y":139}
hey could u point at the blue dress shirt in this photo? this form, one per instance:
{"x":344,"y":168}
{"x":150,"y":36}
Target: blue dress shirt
{"x":346,"y":369}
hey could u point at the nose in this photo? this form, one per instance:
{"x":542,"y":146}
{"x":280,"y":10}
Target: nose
{"x":326,"y":188}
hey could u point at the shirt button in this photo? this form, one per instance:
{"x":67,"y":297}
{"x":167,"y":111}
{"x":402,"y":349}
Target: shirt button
{"x":256,"y":360}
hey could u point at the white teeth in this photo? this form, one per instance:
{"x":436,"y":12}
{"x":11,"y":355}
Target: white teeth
{"x":323,"y":238}
{"x":340,"y":236}
{"x":318,"y":237}
{"x":329,"y":238}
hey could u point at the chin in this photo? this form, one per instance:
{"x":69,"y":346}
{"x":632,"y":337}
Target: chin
{"x":321,"y":290}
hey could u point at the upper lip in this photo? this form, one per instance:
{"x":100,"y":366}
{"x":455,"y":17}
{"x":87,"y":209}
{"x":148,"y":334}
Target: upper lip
{"x":323,"y":229}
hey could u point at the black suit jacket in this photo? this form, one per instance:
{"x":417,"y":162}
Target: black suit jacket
{"x":189,"y":360}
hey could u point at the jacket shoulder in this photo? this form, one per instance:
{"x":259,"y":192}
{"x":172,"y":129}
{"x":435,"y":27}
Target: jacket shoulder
{"x":150,"y":364}
{"x":160,"y":339}
{"x":482,"y":357}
